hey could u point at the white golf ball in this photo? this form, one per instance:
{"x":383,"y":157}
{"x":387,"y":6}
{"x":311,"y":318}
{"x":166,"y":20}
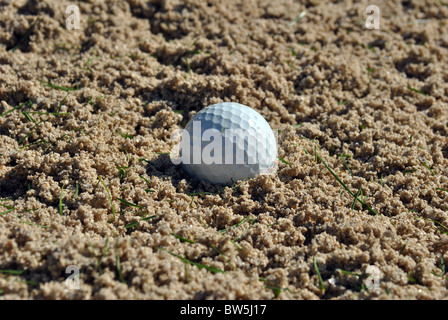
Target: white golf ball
{"x":227,"y":142}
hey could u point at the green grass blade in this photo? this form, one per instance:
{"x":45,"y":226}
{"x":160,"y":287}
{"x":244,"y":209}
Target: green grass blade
{"x":252,"y":221}
{"x":237,"y":244}
{"x":188,"y":65}
{"x":182,"y":238}
{"x":124,"y":135}
{"x":34,"y":224}
{"x":199,"y":193}
{"x":27,"y":115}
{"x":321,"y":283}
{"x":441,"y":227}
{"x":343,"y":184}
{"x":15,"y":108}
{"x":135,"y":223}
{"x":109,"y":195}
{"x":347,"y":273}
{"x":346,"y":165}
{"x":41,"y":113}
{"x":356,"y":198}
{"x":284,"y":161}
{"x":132,"y":225}
{"x":6,"y":212}
{"x":402,"y":249}
{"x":418,"y":91}
{"x":120,"y":275}
{"x":334,"y":174}
{"x":50,"y":84}
{"x":409,"y":171}
{"x":61,"y":103}
{"x":427,"y":167}
{"x":234,"y":226}
{"x":106,"y":247}
{"x":129,"y":203}
{"x":12,"y":272}
{"x":29,"y":134}
{"x":146,"y":180}
{"x":199,"y":265}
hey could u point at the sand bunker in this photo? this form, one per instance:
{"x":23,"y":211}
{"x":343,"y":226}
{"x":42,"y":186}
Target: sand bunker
{"x":86,"y":179}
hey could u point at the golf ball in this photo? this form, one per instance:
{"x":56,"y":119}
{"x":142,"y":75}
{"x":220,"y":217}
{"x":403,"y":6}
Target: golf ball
{"x":227,"y":142}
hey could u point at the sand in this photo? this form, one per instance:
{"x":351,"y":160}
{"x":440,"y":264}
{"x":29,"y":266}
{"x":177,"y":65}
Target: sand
{"x":95,"y":109}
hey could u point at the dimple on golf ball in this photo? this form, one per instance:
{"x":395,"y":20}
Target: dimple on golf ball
{"x":227,"y":142}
